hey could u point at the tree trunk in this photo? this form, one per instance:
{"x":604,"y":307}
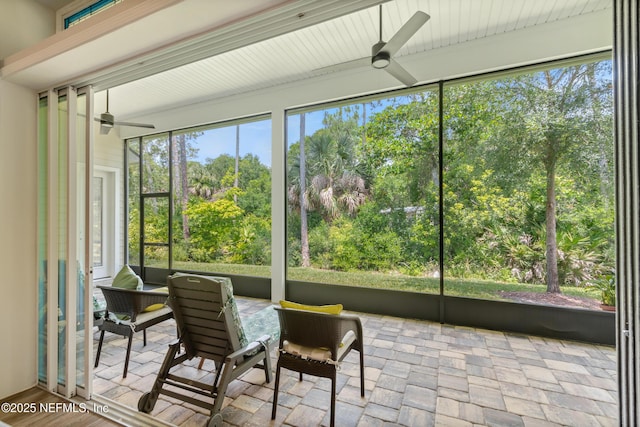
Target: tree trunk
{"x":552,"y":245}
{"x":237,"y":168}
{"x":304,"y":229}
{"x":364,"y":124}
{"x":184,"y":184}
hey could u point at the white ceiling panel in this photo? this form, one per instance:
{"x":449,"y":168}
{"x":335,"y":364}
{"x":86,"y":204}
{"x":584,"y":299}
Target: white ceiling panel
{"x":307,"y":52}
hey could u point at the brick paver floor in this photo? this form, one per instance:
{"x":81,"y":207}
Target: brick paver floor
{"x":417,"y":373}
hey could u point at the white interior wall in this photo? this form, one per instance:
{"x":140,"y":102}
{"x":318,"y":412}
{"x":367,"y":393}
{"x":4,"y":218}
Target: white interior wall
{"x":108,"y":149}
{"x":23,"y":23}
{"x":18,"y":305}
{"x":18,"y":317}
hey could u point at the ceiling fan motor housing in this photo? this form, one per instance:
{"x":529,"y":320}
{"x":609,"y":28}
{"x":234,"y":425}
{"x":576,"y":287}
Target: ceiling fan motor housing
{"x":106,"y":123}
{"x":379,"y":58}
{"x":107,"y":119}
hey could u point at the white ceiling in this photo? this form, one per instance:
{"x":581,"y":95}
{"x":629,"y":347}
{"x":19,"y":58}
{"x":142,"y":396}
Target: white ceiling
{"x":302,"y":54}
{"x":127,"y":33}
{"x":242,"y":59}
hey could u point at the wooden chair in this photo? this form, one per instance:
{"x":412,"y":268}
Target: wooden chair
{"x":315,"y":344}
{"x":209,"y":327}
{"x":125,"y":315}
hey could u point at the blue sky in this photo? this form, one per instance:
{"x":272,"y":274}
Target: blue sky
{"x":255,"y":137}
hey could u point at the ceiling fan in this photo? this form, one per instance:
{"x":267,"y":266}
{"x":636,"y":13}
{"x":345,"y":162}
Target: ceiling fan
{"x":382,"y":52}
{"x":107,"y":121}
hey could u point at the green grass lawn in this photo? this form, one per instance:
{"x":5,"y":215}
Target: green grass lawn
{"x":456,"y":287}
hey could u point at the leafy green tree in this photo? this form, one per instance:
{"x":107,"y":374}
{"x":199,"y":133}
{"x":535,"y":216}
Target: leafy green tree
{"x":251,"y":243}
{"x":495,"y":180}
{"x":155,"y":164}
{"x":256,"y":193}
{"x":402,"y":141}
{"x":400,"y":157}
{"x":550,"y":117}
{"x":211,"y":224}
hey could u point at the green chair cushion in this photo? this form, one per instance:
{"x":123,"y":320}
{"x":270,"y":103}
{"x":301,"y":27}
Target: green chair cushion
{"x":127,"y":279}
{"x":242,"y":337}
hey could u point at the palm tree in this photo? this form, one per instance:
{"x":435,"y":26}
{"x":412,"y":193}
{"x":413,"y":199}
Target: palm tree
{"x":335,"y":186}
{"x":323,"y":177}
{"x":201,"y":182}
{"x":304,"y":227}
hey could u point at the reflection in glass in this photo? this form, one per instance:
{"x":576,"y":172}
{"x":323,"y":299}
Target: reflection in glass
{"x":97,"y":221}
{"x":43,"y":214}
{"x":81,"y":187}
{"x":63,"y":173}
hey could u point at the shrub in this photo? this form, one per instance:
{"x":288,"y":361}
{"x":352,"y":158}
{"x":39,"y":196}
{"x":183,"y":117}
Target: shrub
{"x":606,"y":284}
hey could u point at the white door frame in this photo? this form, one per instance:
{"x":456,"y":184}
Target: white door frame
{"x":111,"y":220}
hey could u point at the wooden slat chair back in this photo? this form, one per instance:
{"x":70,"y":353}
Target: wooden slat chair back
{"x":209,"y":327}
{"x":202,"y":314}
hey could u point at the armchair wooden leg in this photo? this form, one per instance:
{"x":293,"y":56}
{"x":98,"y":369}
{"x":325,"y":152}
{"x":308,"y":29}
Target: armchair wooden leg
{"x":333,"y":401}
{"x":126,"y":359}
{"x":361,"y":374}
{"x":275,"y":393}
{"x":99,"y":349}
{"x":267,"y":366}
{"x":144,"y":337}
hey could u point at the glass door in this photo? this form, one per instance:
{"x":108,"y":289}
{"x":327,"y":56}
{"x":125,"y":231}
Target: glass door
{"x":81,"y":169}
{"x":64,"y":281}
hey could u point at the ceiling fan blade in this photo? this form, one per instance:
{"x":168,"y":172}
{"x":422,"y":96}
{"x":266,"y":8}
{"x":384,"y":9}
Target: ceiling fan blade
{"x":342,"y":66}
{"x":400,"y":73}
{"x":138,"y":125}
{"x":406,"y":32}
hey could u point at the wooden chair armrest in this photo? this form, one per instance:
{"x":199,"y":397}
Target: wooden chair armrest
{"x":249,"y":350}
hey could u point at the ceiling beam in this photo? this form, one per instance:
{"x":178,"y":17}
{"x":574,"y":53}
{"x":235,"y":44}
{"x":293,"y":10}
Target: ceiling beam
{"x":290,"y":17}
{"x":111,"y":19}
